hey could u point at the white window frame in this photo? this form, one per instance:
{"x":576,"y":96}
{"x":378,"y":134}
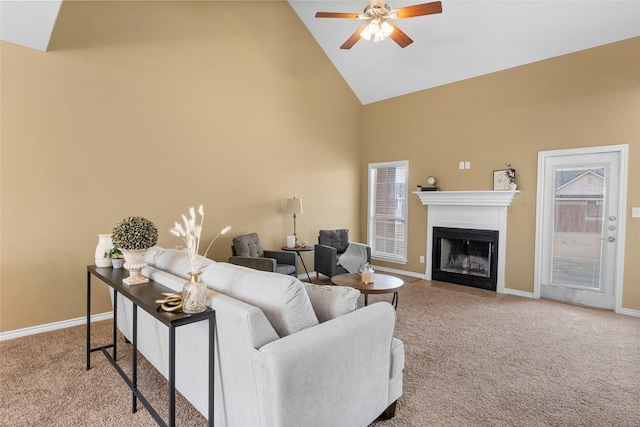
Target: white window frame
{"x":376,"y":253}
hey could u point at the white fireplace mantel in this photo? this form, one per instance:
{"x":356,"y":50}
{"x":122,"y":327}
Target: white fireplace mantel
{"x":480,"y":210}
{"x":467,"y":198}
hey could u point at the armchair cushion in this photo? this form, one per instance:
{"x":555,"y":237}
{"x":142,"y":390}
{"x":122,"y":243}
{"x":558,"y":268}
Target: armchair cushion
{"x":247,"y":252}
{"x":248,"y":245}
{"x":263,"y":264}
{"x":338,"y":239}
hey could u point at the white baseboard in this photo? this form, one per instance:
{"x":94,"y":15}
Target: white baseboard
{"x":629,"y":312}
{"x":18,"y":333}
{"x":400,"y":272}
{"x":518,"y":293}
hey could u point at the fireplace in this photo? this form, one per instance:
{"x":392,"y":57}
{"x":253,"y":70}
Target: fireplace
{"x":484,"y":210}
{"x":465,"y":256}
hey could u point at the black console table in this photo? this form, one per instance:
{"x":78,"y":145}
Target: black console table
{"x":144,"y":296}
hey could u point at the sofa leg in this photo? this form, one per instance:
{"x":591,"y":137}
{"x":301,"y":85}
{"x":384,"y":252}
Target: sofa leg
{"x":389,"y":412}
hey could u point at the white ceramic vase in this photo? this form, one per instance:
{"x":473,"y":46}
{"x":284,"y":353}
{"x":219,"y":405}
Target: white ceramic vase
{"x":104,"y":245}
{"x":513,"y":186}
{"x":134,"y":261}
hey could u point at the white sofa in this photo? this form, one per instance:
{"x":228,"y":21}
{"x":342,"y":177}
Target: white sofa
{"x":287,"y":353}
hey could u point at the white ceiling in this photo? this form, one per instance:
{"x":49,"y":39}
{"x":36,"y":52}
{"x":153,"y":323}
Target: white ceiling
{"x":28,"y":22}
{"x":468,"y":39}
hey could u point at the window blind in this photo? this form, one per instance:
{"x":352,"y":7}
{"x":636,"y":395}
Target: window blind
{"x":387,"y":220}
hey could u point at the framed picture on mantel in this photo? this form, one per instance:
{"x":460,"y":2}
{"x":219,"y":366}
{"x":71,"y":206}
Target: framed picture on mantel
{"x":500,"y":180}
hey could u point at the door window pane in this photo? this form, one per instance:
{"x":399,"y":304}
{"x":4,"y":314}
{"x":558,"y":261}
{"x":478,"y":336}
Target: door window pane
{"x":578,"y":222}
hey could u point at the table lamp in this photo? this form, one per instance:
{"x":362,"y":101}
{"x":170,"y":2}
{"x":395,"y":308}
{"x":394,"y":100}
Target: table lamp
{"x":294,"y":206}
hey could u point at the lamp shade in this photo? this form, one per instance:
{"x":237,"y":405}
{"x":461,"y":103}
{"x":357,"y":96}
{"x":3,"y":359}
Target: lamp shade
{"x":294,"y":206}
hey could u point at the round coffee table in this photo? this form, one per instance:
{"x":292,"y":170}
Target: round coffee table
{"x":382,"y":284}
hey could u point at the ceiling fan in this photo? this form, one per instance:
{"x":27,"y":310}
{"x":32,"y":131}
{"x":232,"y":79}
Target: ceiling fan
{"x":377,"y":13}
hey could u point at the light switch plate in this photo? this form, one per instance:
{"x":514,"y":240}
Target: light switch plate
{"x":635,"y":212}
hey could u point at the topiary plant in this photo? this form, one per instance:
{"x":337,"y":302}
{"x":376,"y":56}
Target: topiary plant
{"x":134,"y":232}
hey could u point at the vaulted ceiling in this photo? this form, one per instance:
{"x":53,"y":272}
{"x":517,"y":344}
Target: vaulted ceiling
{"x":468,"y":39}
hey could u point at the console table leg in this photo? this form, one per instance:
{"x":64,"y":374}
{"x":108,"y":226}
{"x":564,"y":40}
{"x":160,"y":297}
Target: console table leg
{"x":212,"y":366}
{"x":115,"y":323}
{"x":88,"y":320}
{"x":134,"y":358}
{"x":172,"y":376}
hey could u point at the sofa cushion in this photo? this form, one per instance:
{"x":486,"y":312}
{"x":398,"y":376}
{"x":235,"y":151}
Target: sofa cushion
{"x":152,"y":254}
{"x":283,"y":299}
{"x":332,"y":301}
{"x":173,"y":261}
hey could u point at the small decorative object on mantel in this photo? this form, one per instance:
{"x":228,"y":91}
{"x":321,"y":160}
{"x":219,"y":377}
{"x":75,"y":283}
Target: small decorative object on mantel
{"x":133,"y":236}
{"x":504,"y":179}
{"x":194,"y":292}
{"x":431,"y":184}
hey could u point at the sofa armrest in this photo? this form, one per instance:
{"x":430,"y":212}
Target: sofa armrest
{"x":283,"y":257}
{"x":263,"y":264}
{"x":340,"y":368}
{"x":325,"y":259}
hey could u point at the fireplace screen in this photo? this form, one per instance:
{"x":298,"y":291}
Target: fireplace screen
{"x":466,"y":257}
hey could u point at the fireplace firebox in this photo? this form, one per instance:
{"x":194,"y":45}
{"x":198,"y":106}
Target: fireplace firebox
{"x":465,"y":257}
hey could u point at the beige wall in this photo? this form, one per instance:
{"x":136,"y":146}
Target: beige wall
{"x":149,"y":108}
{"x":589,"y":98}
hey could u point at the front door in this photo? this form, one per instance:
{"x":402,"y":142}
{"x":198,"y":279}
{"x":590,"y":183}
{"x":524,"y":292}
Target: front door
{"x":579,"y":226}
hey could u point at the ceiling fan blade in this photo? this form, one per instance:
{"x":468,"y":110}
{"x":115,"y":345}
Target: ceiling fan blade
{"x":399,"y":36}
{"x":353,"y":39}
{"x":420,"y":10}
{"x":337,"y":15}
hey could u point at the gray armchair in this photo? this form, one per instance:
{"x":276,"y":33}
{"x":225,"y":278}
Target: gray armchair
{"x":332,"y":244}
{"x":247,"y":251}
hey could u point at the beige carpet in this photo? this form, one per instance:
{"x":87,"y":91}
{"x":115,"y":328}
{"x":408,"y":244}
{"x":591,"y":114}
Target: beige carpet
{"x":473,"y":358}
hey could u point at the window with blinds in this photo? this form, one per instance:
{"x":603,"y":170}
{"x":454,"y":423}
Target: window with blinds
{"x":387,"y":218}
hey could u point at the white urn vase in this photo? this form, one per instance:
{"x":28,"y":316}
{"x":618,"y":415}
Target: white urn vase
{"x":104,"y":245}
{"x":134,"y":262}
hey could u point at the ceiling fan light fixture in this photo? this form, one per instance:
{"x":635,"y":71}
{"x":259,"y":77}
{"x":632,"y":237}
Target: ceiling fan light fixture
{"x":377,"y":28}
{"x":366,"y":34}
{"x":377,"y":13}
{"x":386,"y":29}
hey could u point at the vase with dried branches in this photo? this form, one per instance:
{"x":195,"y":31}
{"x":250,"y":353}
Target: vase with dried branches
{"x":194,"y":292}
